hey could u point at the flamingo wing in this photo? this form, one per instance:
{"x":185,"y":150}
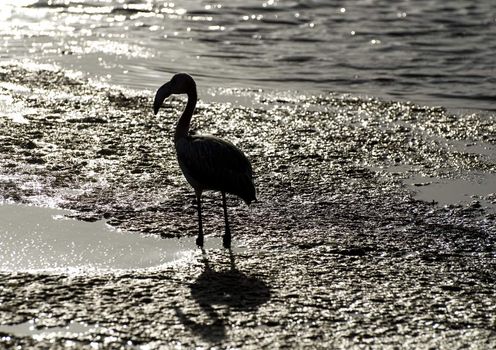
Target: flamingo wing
{"x":213,"y":164}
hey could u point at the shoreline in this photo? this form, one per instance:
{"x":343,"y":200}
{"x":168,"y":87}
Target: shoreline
{"x":233,"y":93}
{"x":338,"y":254}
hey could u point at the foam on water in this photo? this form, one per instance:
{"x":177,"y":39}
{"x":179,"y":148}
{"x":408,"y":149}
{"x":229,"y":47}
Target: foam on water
{"x":42,"y":239}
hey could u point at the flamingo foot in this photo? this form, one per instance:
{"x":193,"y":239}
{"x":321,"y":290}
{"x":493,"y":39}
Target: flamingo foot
{"x":199,"y":241}
{"x":226,"y":239}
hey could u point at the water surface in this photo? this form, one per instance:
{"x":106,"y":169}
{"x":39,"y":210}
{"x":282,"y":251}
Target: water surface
{"x":44,"y":239}
{"x":426,"y":51}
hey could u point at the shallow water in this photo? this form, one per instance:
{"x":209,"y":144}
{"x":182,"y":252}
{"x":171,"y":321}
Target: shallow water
{"x":471,"y":187}
{"x":44,"y":239}
{"x":426,"y":51}
{"x":73,"y":329}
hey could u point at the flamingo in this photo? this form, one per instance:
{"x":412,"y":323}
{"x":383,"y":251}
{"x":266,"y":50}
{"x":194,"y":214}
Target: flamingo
{"x":207,"y":162}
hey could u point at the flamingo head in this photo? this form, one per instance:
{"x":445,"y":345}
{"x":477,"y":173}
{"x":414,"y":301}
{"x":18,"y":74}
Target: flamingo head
{"x":180,"y":83}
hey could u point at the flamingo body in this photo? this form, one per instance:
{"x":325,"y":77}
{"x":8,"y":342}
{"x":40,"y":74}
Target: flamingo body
{"x":210,"y":163}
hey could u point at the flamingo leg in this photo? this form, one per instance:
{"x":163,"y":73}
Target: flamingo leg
{"x":226,"y":239}
{"x":199,"y":239}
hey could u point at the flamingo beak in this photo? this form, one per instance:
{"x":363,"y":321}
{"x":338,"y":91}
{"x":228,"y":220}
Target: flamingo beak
{"x":162,"y":93}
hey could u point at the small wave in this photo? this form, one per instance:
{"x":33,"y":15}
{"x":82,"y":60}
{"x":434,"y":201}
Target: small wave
{"x":252,"y":9}
{"x":126,"y":11}
{"x":489,"y":98}
{"x":201,"y":12}
{"x":296,"y":58}
{"x":48,"y":4}
{"x":282,"y":21}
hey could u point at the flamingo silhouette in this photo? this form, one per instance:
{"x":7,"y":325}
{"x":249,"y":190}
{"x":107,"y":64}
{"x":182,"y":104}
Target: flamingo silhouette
{"x":207,"y":162}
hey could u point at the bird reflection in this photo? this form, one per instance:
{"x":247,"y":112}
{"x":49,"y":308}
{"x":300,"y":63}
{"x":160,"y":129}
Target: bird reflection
{"x":207,"y":162}
{"x":219,"y":294}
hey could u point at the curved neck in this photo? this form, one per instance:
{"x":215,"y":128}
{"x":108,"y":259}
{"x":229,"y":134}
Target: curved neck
{"x":182,"y":126}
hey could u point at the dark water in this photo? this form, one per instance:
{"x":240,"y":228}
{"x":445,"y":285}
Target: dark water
{"x":427,"y":51}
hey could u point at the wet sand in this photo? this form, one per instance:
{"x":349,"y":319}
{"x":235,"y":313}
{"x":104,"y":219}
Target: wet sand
{"x":339,"y":250}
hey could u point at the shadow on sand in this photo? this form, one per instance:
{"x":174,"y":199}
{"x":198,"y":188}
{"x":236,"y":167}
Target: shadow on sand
{"x":232,"y":289}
